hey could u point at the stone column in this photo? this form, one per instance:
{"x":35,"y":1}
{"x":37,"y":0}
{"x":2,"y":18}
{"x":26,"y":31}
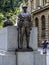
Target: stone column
{"x":29,"y":5}
{"x":34,"y":4}
{"x":33,"y":22}
{"x":39,"y":30}
{"x":47,"y":23}
{"x":41,"y":2}
{"x":48,"y":26}
{"x":32,"y":7}
{"x":47,"y":2}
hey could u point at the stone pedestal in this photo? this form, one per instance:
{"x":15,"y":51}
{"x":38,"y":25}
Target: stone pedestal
{"x":34,"y":38}
{"x":7,"y":59}
{"x":30,"y":58}
{"x":25,"y":58}
{"x":39,"y":59}
{"x":8,"y":38}
{"x":8,"y":45}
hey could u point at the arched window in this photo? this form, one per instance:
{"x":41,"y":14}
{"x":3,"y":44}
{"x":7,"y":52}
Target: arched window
{"x":36,"y":25}
{"x":43,"y":26}
{"x":36,"y":22}
{"x":43,"y":22}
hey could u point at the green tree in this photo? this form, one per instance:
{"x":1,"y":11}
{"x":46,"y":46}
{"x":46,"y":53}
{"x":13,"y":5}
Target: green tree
{"x":9,"y":5}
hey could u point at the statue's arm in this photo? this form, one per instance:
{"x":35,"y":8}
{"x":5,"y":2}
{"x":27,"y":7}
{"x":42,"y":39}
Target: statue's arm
{"x":19,"y":20}
{"x":30,"y":21}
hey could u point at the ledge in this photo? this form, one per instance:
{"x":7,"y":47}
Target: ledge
{"x":41,"y":10}
{"x":24,"y":50}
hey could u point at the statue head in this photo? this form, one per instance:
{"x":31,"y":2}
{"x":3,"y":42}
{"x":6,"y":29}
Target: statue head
{"x":8,"y":17}
{"x":24,"y":8}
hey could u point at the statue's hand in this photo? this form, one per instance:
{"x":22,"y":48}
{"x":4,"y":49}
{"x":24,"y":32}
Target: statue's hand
{"x":30,"y":28}
{"x":17,"y":27}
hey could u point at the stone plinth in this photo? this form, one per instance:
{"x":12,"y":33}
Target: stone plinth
{"x":25,"y":58}
{"x":30,"y":58}
{"x":7,"y":59}
{"x":39,"y":59}
{"x":34,"y":39}
{"x":8,"y":38}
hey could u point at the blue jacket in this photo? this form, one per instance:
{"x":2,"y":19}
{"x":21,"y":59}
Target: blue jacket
{"x":45,"y":44}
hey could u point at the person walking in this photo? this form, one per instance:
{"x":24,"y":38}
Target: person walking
{"x":44,"y":44}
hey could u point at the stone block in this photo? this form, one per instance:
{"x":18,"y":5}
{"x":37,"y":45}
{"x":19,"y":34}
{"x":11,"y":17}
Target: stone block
{"x":39,"y":59}
{"x":7,"y":59}
{"x":47,"y":59}
{"x":8,"y":38}
{"x":30,"y":58}
{"x":34,"y":38}
{"x":25,"y":58}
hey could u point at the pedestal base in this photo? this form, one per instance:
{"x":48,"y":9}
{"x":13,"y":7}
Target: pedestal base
{"x":34,"y":38}
{"x":25,"y":58}
{"x":7,"y":59}
{"x":24,"y":50}
{"x":30,"y":58}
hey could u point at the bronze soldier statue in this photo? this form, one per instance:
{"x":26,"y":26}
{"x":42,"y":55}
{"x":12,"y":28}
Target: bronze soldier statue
{"x":24,"y":26}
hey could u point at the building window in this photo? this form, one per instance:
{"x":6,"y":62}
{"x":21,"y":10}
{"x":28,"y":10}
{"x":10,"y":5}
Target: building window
{"x":36,"y":22}
{"x":43,"y":27}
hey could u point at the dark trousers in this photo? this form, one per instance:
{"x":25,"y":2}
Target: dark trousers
{"x":24,"y":31}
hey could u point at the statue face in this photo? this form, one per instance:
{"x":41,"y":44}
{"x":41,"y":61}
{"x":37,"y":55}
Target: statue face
{"x":25,"y":9}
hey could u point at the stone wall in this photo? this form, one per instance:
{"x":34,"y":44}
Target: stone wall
{"x":39,"y":15}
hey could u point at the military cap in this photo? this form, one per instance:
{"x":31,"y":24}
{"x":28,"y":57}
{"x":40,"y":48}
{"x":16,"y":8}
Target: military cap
{"x":24,"y":6}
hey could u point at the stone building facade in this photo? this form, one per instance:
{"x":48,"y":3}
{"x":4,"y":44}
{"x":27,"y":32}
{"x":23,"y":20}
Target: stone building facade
{"x":40,"y":12}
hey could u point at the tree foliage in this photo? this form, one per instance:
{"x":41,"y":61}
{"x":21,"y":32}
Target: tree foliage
{"x":9,"y":5}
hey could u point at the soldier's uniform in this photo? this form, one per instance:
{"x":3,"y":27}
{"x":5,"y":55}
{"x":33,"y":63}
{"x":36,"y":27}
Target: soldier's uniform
{"x":24,"y":25}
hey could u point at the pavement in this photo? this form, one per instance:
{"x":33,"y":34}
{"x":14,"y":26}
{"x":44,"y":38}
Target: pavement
{"x":41,"y":51}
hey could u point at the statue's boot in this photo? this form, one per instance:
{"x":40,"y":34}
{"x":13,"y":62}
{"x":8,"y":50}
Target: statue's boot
{"x":28,"y":47}
{"x":21,"y":42}
{"x":27,"y":42}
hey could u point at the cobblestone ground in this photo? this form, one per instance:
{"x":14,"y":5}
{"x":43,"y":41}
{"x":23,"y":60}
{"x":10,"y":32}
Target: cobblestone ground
{"x":47,"y":55}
